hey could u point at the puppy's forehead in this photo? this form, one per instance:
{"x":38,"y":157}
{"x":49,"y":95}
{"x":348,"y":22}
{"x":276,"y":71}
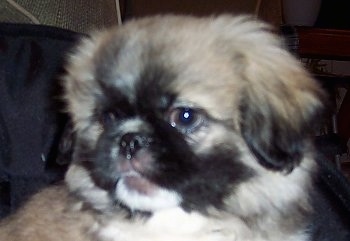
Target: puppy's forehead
{"x":178,"y":55}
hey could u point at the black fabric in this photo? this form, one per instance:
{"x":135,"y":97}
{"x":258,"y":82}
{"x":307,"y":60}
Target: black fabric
{"x":331,"y":203}
{"x":31,"y":118}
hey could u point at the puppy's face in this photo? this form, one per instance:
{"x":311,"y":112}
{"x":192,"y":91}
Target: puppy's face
{"x":180,"y":111}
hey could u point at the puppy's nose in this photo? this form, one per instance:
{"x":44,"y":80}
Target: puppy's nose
{"x":131,"y":143}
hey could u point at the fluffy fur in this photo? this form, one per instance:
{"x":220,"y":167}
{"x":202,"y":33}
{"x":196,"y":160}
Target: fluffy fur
{"x":185,"y":129}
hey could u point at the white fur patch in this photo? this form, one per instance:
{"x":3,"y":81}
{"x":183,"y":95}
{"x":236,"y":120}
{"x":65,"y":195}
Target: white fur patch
{"x":177,"y":225}
{"x":160,"y":199}
{"x":170,"y":225}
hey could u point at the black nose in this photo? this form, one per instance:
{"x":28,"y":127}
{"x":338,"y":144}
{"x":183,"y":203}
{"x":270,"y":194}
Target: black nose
{"x":131,"y":143}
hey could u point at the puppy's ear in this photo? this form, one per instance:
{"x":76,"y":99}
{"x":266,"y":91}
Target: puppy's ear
{"x":279,"y":108}
{"x":66,"y":145}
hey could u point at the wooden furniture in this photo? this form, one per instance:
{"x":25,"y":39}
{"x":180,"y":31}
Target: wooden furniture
{"x":323,"y":43}
{"x":330,"y":44}
{"x":333,"y":44}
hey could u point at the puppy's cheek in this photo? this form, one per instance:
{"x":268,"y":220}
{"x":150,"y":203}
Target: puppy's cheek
{"x":90,"y":135}
{"x":215,"y":177}
{"x":98,"y":158}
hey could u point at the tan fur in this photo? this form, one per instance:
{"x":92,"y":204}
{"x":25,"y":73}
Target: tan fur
{"x":220,"y":61}
{"x":50,"y":215}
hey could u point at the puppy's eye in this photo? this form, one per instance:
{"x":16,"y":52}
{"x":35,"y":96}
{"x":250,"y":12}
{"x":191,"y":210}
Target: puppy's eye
{"x":107,"y":118}
{"x":186,"y":119}
{"x":111,"y":116}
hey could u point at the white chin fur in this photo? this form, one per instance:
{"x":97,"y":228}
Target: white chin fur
{"x":159,"y":200}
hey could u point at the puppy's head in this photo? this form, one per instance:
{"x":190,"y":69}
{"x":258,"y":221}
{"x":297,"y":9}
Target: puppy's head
{"x":181,"y":111}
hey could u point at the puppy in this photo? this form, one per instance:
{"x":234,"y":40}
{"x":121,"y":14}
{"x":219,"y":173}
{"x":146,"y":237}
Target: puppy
{"x":185,"y":129}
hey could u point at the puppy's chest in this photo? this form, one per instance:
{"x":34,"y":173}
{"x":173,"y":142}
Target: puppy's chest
{"x":172,"y":225}
{"x":177,"y":225}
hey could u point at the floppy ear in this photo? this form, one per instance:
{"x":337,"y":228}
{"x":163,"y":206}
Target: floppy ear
{"x":279,"y":108}
{"x":66,"y":145}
